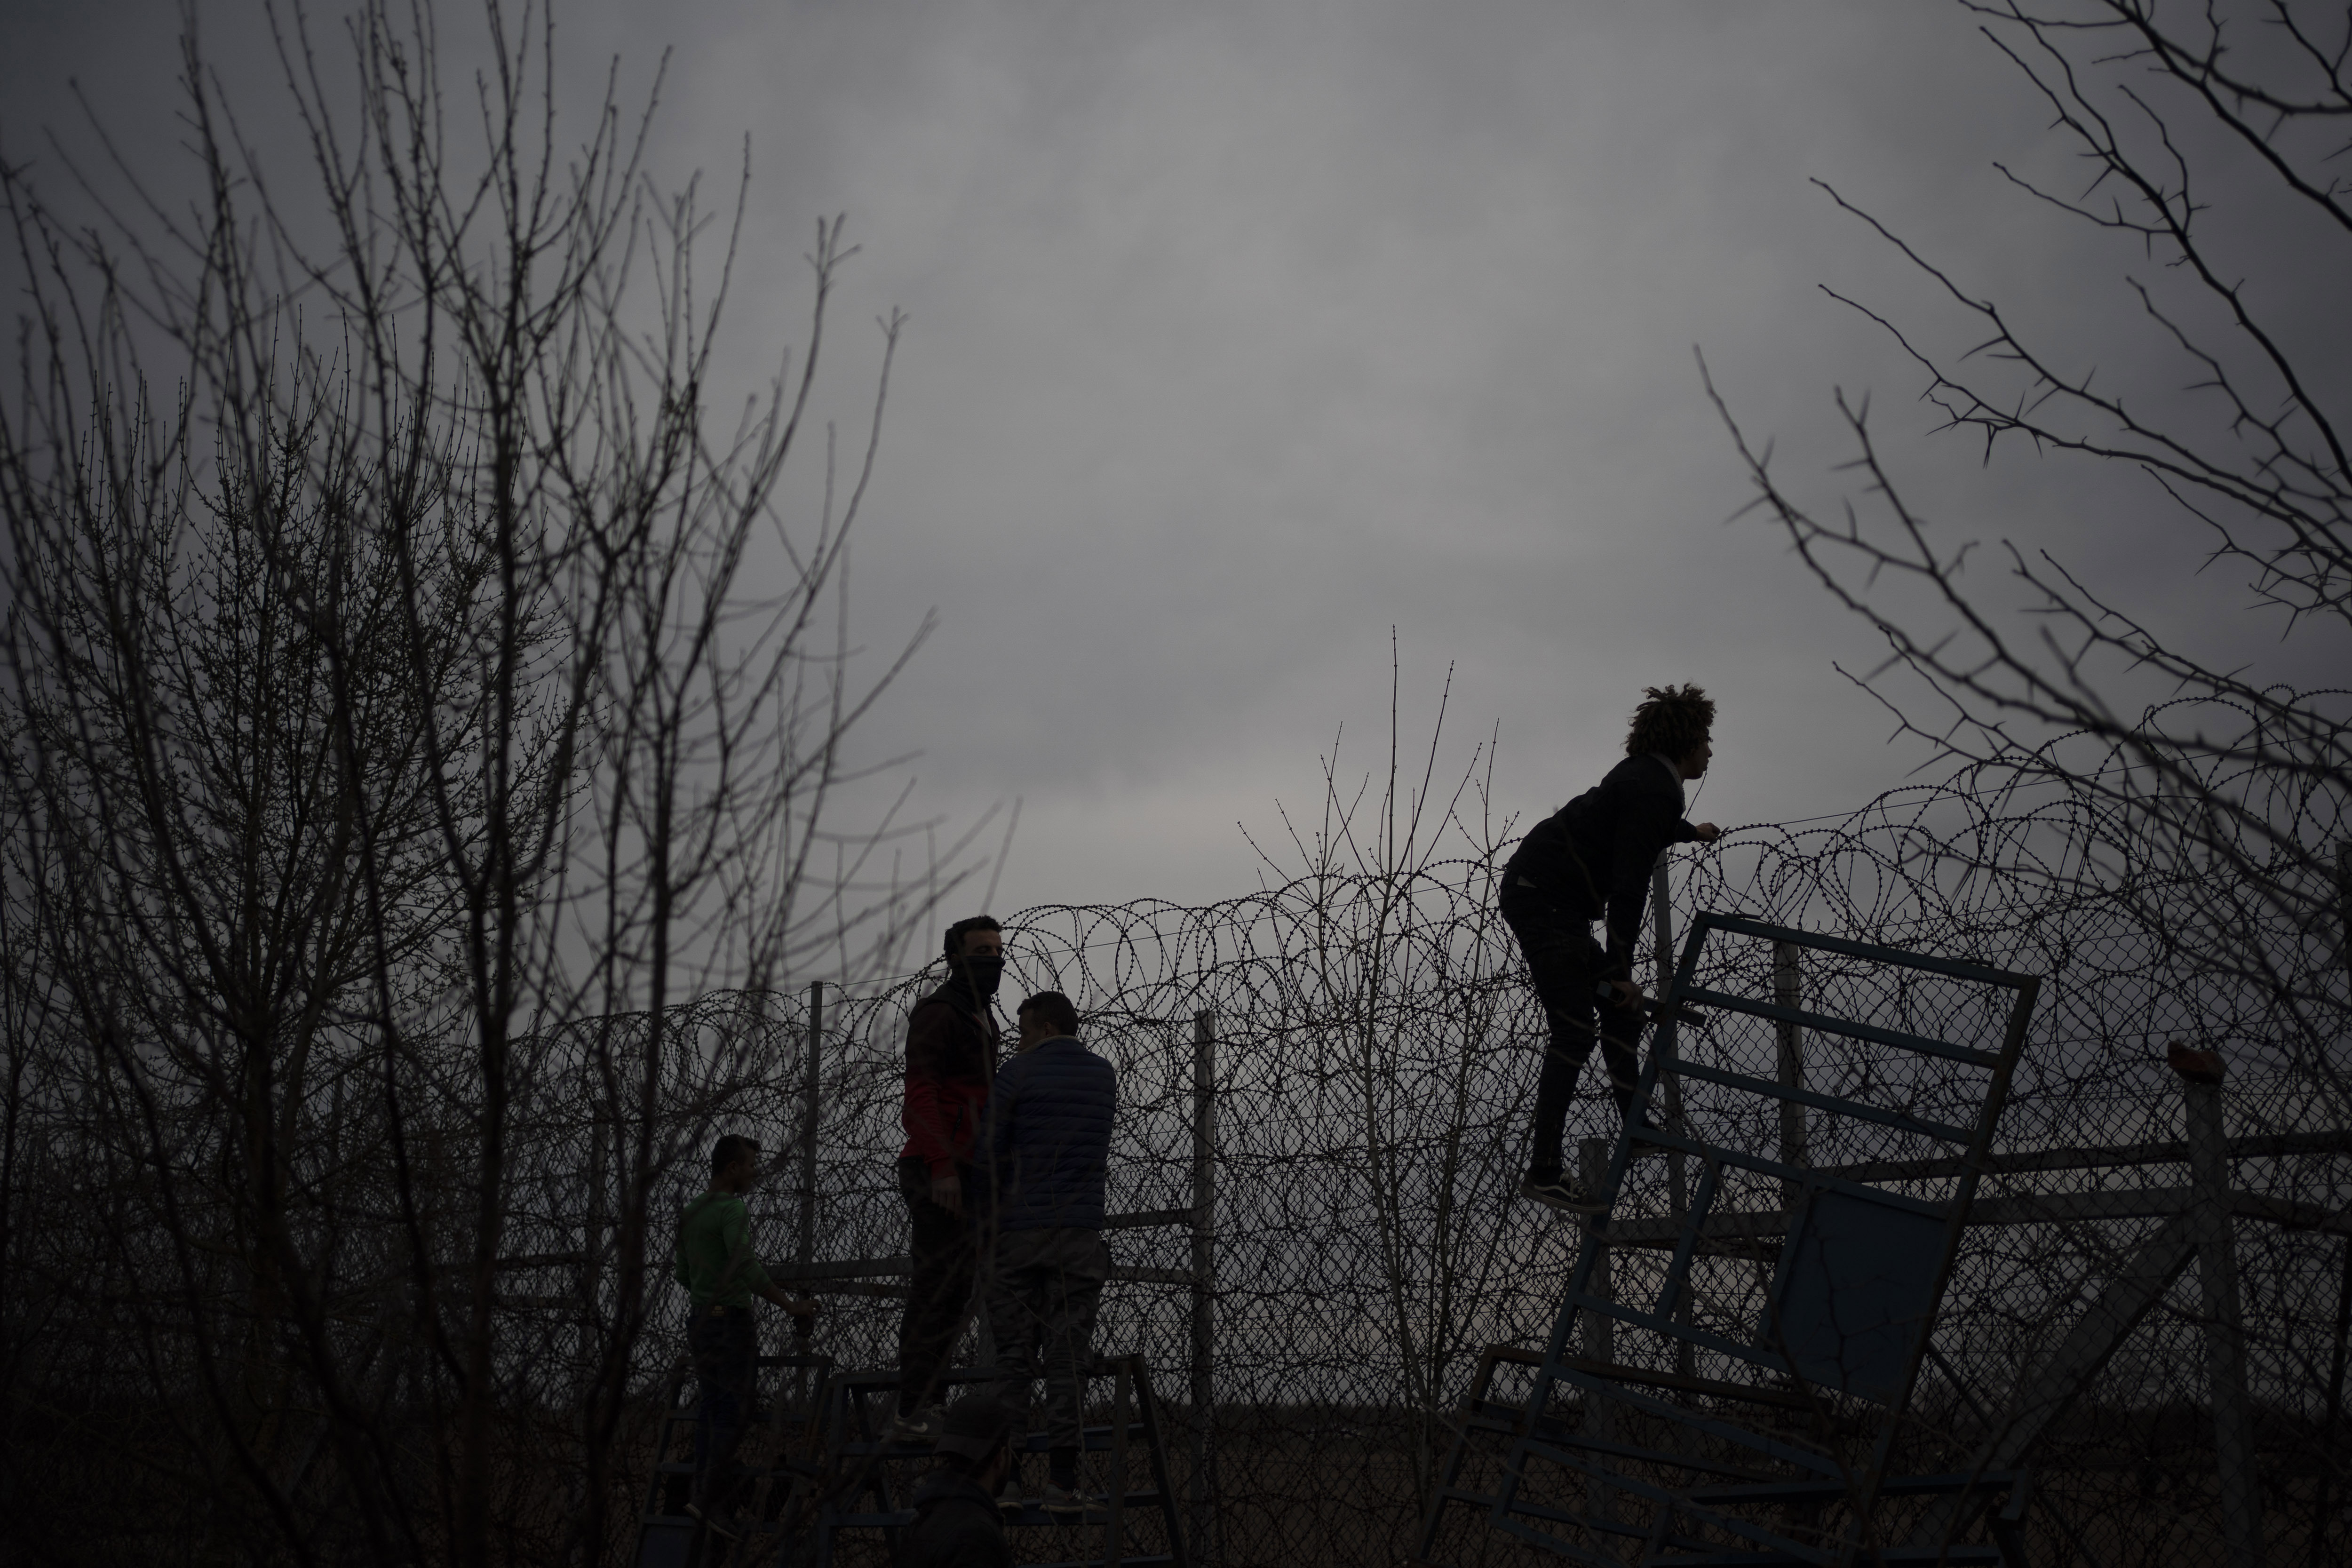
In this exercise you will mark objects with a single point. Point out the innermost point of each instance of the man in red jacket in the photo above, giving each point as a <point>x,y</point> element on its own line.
<point>951,1041</point>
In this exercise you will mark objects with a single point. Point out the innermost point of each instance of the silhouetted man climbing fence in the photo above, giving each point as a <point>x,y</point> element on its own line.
<point>1588,860</point>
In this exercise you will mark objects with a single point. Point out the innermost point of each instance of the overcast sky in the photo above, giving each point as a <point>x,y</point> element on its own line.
<point>1242,333</point>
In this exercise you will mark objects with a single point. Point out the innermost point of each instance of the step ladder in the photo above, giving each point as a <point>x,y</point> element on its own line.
<point>773,1496</point>
<point>1762,1418</point>
<point>866,1480</point>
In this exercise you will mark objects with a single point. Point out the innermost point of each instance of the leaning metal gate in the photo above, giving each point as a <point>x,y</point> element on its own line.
<point>1756,1412</point>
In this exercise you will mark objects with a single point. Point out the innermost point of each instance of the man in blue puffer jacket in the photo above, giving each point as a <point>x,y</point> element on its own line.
<point>1046,1150</point>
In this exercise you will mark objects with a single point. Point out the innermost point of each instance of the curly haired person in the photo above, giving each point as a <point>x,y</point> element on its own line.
<point>1589,861</point>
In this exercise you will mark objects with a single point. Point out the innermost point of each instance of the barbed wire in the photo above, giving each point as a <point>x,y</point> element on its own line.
<point>1375,1052</point>
<point>1375,1047</point>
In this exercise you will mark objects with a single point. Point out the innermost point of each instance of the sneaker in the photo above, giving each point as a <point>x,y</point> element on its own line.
<point>1559,1191</point>
<point>1059,1498</point>
<point>922,1426</point>
<point>1010,1499</point>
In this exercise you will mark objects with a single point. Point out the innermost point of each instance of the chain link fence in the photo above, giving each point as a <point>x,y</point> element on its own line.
<point>1372,1049</point>
<point>1325,1097</point>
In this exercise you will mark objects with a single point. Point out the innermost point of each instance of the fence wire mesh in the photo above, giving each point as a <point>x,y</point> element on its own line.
<point>1374,1050</point>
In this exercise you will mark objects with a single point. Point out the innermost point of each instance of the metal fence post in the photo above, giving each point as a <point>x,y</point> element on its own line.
<point>1202,1525</point>
<point>2319,1501</point>
<point>1664,1036</point>
<point>1670,1082</point>
<point>804,1251</point>
<point>592,1250</point>
<point>1787,992</point>
<point>2344,903</point>
<point>1599,1328</point>
<point>2225,1330</point>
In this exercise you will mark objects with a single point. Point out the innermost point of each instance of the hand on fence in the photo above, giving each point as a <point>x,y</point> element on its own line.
<point>800,1307</point>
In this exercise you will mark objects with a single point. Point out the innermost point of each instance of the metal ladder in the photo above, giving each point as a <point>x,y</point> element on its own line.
<point>774,1497</point>
<point>1786,1453</point>
<point>857,1491</point>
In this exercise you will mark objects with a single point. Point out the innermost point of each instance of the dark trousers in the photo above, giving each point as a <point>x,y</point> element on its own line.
<point>942,1252</point>
<point>1567,967</point>
<point>724,1347</point>
<point>1044,1287</point>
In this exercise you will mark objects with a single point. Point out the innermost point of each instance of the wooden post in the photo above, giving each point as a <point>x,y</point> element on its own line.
<point>2225,1329</point>
<point>1787,992</point>
<point>1200,1493</point>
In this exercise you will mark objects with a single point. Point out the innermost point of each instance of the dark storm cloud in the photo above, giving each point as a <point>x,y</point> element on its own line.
<point>1242,333</point>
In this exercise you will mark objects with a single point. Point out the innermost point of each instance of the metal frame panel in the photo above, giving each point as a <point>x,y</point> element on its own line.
<point>1854,1472</point>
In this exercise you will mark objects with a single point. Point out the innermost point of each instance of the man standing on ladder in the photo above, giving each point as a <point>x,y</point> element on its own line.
<point>951,1042</point>
<point>1589,860</point>
<point>1046,1151</point>
<point>717,1264</point>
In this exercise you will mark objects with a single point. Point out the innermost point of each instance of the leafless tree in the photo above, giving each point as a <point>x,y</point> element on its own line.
<point>2212,137</point>
<point>1396,883</point>
<point>405,668</point>
<point>2211,140</point>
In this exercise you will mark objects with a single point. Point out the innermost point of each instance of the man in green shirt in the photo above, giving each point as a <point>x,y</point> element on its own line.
<point>716,1265</point>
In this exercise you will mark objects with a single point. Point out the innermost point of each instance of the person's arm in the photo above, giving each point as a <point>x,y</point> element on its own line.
<point>685,1274</point>
<point>1109,1128</point>
<point>798,1306</point>
<point>743,1265</point>
<point>1639,838</point>
<point>992,1150</point>
<point>1647,822</point>
<point>929,1114</point>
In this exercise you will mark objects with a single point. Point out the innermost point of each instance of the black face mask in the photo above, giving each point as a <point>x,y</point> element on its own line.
<point>984,973</point>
